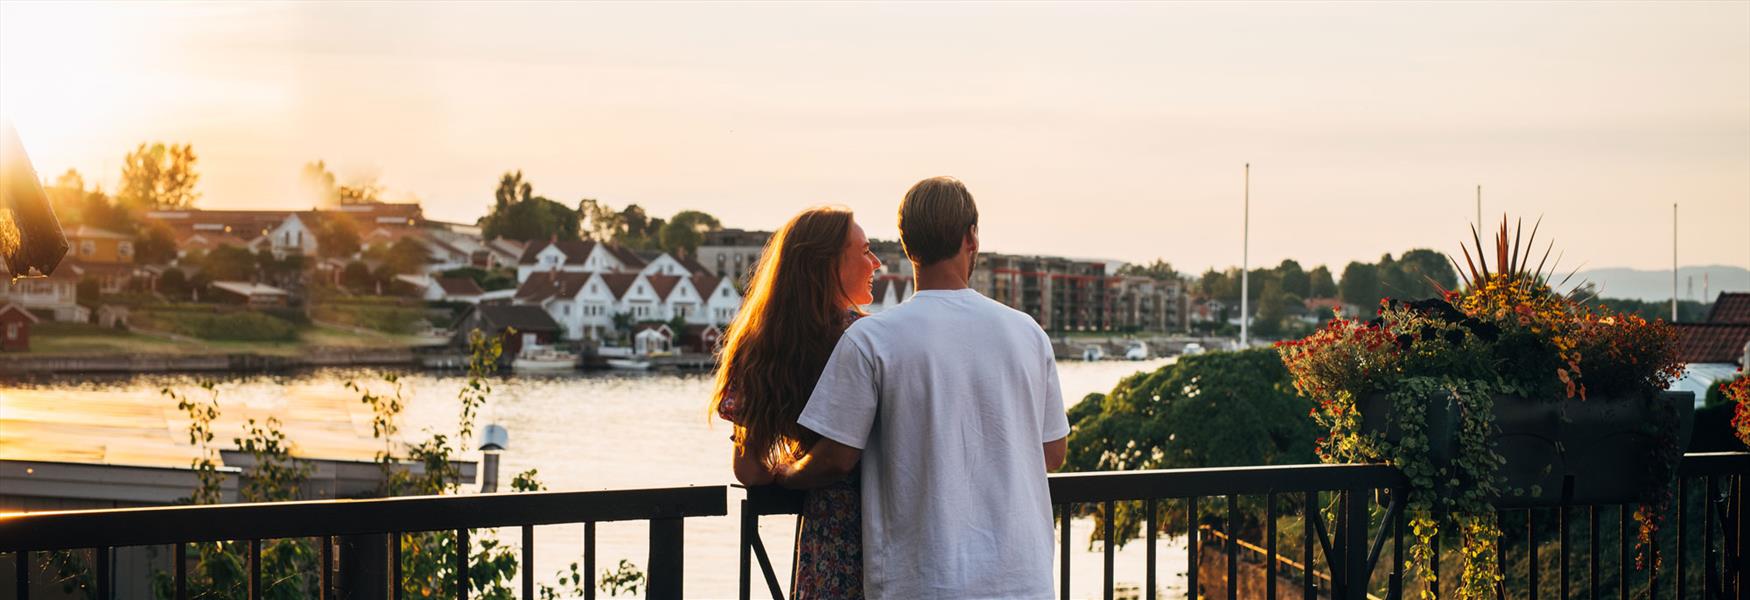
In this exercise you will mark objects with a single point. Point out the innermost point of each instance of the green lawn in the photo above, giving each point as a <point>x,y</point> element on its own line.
<point>79,338</point>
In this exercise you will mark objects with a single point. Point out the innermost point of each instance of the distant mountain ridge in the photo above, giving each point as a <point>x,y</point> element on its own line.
<point>1639,284</point>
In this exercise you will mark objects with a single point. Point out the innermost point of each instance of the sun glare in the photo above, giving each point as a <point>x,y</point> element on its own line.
<point>62,65</point>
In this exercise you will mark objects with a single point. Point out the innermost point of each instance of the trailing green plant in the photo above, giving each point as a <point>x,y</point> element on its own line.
<point>1506,333</point>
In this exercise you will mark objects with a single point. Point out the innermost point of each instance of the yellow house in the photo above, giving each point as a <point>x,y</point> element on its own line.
<point>92,245</point>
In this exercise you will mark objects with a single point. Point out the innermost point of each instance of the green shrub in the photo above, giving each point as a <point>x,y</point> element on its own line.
<point>394,319</point>
<point>234,326</point>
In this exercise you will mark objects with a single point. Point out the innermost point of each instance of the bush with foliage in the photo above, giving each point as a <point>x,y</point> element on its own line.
<point>1738,393</point>
<point>1507,333</point>
<point>240,326</point>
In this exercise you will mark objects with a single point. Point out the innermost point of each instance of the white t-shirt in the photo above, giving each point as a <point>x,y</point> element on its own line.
<point>951,396</point>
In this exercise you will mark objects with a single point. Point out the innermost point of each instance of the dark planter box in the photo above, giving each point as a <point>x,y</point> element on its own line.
<point>1594,451</point>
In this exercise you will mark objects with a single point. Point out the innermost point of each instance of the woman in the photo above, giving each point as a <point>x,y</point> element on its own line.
<point>814,275</point>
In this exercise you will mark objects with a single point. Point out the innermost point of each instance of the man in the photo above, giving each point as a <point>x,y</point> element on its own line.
<point>952,403</point>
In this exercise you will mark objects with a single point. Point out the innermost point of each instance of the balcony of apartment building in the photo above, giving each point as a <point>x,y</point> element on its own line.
<point>1355,550</point>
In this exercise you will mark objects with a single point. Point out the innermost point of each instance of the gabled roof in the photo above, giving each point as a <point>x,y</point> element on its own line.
<point>14,308</point>
<point>618,283</point>
<point>1711,342</point>
<point>575,251</point>
<point>549,284</point>
<point>705,284</point>
<point>663,284</point>
<point>626,255</point>
<point>459,286</point>
<point>691,265</point>
<point>1730,308</point>
<point>89,232</point>
<point>523,317</point>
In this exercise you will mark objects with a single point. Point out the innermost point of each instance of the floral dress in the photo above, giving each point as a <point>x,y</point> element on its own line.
<point>829,540</point>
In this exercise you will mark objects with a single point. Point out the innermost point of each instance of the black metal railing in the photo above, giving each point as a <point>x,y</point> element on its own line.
<point>1351,545</point>
<point>374,528</point>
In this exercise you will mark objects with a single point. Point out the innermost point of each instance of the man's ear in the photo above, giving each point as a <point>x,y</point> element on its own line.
<point>969,244</point>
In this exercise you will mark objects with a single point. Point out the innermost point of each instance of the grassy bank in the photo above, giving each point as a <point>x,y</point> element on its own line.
<point>83,339</point>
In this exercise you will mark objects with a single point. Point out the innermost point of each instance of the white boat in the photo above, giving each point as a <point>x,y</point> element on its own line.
<point>629,364</point>
<point>1192,348</point>
<point>544,359</point>
<point>1093,352</point>
<point>1137,351</point>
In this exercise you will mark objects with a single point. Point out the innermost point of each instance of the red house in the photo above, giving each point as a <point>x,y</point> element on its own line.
<point>15,325</point>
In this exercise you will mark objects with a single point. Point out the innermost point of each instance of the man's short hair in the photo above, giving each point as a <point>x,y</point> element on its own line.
<point>934,219</point>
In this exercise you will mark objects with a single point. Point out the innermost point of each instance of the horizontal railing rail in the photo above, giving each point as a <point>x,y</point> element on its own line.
<point>1351,545</point>
<point>387,518</point>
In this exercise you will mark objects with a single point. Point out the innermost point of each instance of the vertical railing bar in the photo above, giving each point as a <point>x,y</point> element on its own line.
<point>1740,537</point>
<point>180,552</point>
<point>1592,533</point>
<point>1562,549</point>
<point>1063,552</point>
<point>1191,543</point>
<point>103,590</point>
<point>1709,556</point>
<point>1501,565</point>
<point>1434,551</point>
<point>765,563</point>
<point>1233,546</point>
<point>749,524</point>
<point>1622,562</point>
<point>1339,559</point>
<point>255,570</point>
<point>21,578</point>
<point>1107,532</point>
<point>1397,544</point>
<point>1149,522</point>
<point>1306,546</point>
<point>589,560</point>
<point>395,586</point>
<point>325,577</point>
<point>1269,545</point>
<point>528,562</point>
<point>462,544</point>
<point>1531,551</point>
<point>1356,550</point>
<point>1682,538</point>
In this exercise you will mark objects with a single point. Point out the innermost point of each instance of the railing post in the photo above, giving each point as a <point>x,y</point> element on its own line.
<point>364,561</point>
<point>666,548</point>
<point>22,577</point>
<point>1355,538</point>
<point>1738,554</point>
<point>749,527</point>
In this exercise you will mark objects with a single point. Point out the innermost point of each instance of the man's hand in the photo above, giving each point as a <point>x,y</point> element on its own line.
<point>826,462</point>
<point>1055,451</point>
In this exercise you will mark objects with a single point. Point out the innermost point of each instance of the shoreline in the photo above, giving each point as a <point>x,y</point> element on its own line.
<point>234,362</point>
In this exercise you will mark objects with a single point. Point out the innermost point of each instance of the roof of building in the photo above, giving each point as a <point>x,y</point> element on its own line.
<point>89,232</point>
<point>663,284</point>
<point>705,283</point>
<point>575,251</point>
<point>244,288</point>
<point>459,286</point>
<point>1730,308</point>
<point>1711,342</point>
<point>618,283</point>
<point>626,255</point>
<point>522,317</point>
<point>736,237</point>
<point>16,309</point>
<point>548,284</point>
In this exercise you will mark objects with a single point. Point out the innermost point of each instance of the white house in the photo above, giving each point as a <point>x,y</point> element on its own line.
<point>56,295</point>
<point>582,256</point>
<point>293,236</point>
<point>721,299</point>
<point>581,303</point>
<point>666,264</point>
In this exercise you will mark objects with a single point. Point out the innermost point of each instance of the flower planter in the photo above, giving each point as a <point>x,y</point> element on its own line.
<point>1606,447</point>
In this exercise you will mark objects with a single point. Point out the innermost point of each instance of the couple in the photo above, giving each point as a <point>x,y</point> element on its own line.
<point>922,434</point>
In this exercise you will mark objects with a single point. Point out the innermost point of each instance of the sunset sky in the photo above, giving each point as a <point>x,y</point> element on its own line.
<point>1094,130</point>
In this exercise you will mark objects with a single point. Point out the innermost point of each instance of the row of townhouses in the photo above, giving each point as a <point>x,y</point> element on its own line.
<point>584,284</point>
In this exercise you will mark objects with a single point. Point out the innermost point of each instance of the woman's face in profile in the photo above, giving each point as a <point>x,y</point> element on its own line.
<point>857,267</point>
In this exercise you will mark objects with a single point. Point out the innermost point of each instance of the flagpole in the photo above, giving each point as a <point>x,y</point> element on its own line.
<point>1673,262</point>
<point>1245,265</point>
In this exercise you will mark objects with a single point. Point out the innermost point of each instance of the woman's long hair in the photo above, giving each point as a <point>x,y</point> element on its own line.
<point>789,322</point>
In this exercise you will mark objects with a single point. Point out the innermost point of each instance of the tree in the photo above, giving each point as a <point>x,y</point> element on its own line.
<point>518,214</point>
<point>600,221</point>
<point>1294,280</point>
<point>683,233</point>
<point>173,284</point>
<point>159,176</point>
<point>1270,310</point>
<point>156,244</point>
<point>1412,273</point>
<point>1360,286</point>
<point>1321,285</point>
<point>337,236</point>
<point>323,185</point>
<point>1158,270</point>
<point>229,263</point>
<point>356,276</point>
<point>407,255</point>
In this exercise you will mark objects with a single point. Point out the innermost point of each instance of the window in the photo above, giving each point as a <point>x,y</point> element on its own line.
<point>87,248</point>
<point>125,249</point>
<point>12,331</point>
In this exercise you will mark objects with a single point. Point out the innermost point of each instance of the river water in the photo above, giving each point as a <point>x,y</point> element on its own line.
<point>605,431</point>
